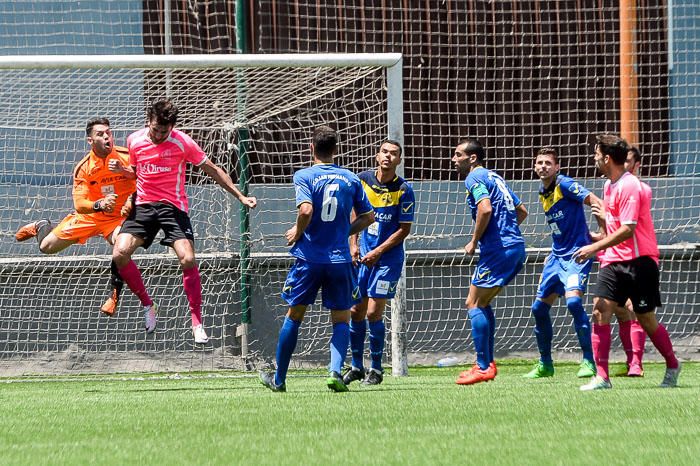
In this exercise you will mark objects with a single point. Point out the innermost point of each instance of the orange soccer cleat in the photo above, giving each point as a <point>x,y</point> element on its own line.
<point>110,306</point>
<point>476,375</point>
<point>26,232</point>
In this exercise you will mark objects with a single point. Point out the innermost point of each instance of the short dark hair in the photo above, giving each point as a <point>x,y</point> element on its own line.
<point>473,146</point>
<point>95,121</point>
<point>325,140</point>
<point>636,155</point>
<point>393,142</point>
<point>551,151</point>
<point>614,146</point>
<point>164,111</point>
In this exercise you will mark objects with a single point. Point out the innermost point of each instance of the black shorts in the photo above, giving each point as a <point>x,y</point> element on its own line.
<point>637,280</point>
<point>146,220</point>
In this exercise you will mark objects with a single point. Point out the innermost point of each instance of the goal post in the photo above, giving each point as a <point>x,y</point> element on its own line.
<point>52,302</point>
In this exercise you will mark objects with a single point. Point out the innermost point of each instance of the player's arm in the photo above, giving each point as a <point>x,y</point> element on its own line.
<point>225,181</point>
<point>354,241</point>
<point>483,215</point>
<point>625,231</point>
<point>392,241</point>
<point>361,222</point>
<point>305,211</point>
<point>115,166</point>
<point>598,211</point>
<point>81,197</point>
<point>521,213</point>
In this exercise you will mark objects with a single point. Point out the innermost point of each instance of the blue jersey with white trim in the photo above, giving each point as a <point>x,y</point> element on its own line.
<point>502,230</point>
<point>394,203</point>
<point>563,207</point>
<point>333,193</point>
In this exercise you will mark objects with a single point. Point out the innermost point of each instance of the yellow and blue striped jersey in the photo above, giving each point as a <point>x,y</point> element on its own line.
<point>393,203</point>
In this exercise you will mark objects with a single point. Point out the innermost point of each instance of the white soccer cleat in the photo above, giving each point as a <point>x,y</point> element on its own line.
<point>200,336</point>
<point>150,319</point>
<point>596,383</point>
<point>671,377</point>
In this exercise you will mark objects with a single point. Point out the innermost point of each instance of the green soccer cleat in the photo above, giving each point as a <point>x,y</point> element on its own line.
<point>540,370</point>
<point>335,382</point>
<point>586,369</point>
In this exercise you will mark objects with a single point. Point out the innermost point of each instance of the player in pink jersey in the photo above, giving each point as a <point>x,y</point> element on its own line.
<point>629,264</point>
<point>632,334</point>
<point>158,155</point>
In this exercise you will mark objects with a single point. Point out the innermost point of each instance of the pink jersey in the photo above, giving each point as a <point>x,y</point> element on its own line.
<point>160,169</point>
<point>628,202</point>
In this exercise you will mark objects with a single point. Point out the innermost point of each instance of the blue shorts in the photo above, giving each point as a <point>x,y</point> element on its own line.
<point>499,267</point>
<point>563,274</point>
<point>379,281</point>
<point>338,282</point>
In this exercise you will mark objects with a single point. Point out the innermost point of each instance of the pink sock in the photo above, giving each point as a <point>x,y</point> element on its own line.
<point>662,342</point>
<point>193,289</point>
<point>600,338</point>
<point>626,339</point>
<point>132,276</point>
<point>638,337</point>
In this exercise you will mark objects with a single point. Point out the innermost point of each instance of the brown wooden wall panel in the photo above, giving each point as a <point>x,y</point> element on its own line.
<point>516,74</point>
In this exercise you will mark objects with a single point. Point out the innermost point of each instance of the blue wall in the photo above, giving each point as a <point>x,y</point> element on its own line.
<point>684,80</point>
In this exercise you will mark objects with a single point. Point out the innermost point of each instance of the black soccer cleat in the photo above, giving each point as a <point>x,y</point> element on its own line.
<point>352,374</point>
<point>268,379</point>
<point>374,377</point>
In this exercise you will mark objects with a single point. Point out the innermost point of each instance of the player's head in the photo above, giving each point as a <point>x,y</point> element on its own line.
<point>610,150</point>
<point>324,142</point>
<point>633,161</point>
<point>389,154</point>
<point>99,136</point>
<point>546,164</point>
<point>468,153</point>
<point>162,116</point>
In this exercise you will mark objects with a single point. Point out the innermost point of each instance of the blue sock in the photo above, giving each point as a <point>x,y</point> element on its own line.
<point>377,333</point>
<point>340,340</point>
<point>543,330</point>
<point>480,336</point>
<point>582,325</point>
<point>491,317</point>
<point>285,347</point>
<point>358,331</point>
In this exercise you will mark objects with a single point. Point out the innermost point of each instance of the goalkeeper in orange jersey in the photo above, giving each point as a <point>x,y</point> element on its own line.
<point>102,191</point>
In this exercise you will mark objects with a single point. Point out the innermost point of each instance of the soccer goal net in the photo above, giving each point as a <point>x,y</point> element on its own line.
<point>253,115</point>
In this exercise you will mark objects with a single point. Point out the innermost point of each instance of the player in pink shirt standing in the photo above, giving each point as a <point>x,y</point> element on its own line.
<point>158,155</point>
<point>632,335</point>
<point>629,264</point>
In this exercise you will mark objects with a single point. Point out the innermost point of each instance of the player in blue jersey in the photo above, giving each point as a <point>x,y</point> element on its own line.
<point>326,195</point>
<point>380,257</point>
<point>562,200</point>
<point>497,213</point>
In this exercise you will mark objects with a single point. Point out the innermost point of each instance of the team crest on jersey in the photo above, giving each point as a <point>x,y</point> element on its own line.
<point>166,154</point>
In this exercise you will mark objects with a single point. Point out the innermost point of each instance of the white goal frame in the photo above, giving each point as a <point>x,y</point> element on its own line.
<point>394,108</point>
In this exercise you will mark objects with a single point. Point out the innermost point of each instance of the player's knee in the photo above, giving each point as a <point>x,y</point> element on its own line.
<point>188,262</point>
<point>540,309</point>
<point>574,304</point>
